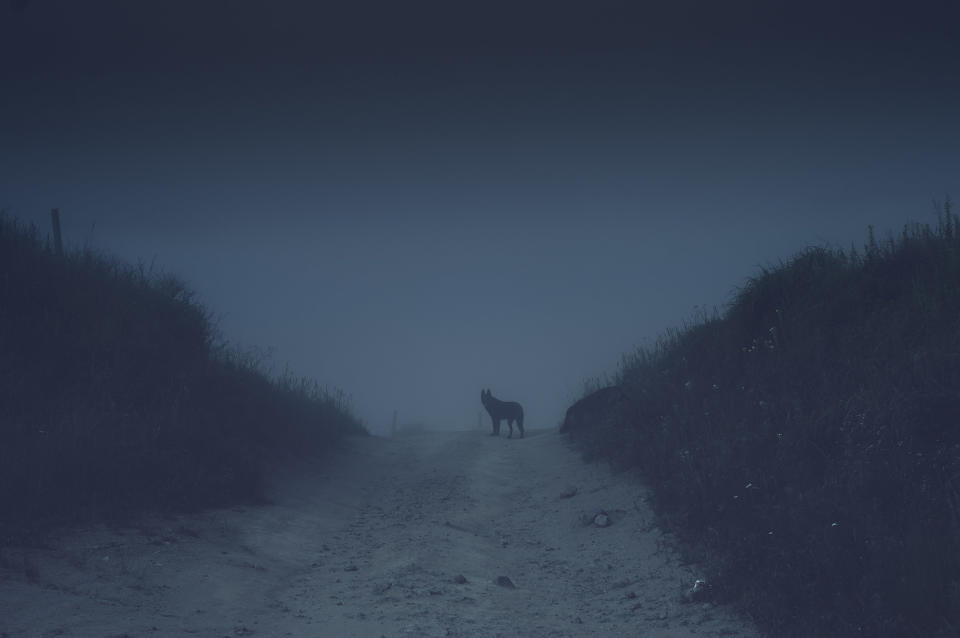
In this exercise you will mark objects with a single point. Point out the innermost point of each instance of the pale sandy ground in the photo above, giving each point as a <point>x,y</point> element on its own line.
<point>373,544</point>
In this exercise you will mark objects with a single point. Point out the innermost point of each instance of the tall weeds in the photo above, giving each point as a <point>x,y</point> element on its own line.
<point>116,396</point>
<point>805,442</point>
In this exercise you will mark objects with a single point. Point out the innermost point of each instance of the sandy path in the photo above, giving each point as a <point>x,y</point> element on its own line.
<point>398,537</point>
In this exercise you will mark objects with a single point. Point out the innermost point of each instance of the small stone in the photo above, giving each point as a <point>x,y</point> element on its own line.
<point>698,593</point>
<point>601,520</point>
<point>460,579</point>
<point>569,491</point>
<point>503,581</point>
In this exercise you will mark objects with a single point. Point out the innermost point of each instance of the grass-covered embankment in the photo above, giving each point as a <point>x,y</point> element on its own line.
<point>115,396</point>
<point>805,443</point>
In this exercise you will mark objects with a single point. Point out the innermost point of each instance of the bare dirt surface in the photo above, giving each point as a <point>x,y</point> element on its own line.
<point>430,534</point>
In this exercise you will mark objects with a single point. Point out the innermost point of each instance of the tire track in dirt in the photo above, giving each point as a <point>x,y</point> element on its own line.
<point>463,509</point>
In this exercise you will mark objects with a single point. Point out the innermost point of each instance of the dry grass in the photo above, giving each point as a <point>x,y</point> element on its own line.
<point>115,395</point>
<point>805,443</point>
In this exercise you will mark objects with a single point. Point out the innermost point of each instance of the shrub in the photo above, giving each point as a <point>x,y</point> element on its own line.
<point>804,442</point>
<point>115,395</point>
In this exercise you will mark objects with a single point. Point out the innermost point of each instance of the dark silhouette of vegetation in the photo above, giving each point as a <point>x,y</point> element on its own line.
<point>115,395</point>
<point>805,443</point>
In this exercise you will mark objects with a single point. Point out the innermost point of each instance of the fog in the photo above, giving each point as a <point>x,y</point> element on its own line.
<point>414,203</point>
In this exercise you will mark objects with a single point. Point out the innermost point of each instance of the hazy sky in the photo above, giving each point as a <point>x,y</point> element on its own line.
<point>413,201</point>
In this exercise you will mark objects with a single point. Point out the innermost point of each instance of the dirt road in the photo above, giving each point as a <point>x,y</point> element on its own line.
<point>433,534</point>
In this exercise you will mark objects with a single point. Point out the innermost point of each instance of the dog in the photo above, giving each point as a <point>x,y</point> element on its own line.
<point>510,411</point>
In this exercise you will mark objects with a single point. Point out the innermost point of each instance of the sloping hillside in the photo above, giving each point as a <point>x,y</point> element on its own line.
<point>806,438</point>
<point>115,394</point>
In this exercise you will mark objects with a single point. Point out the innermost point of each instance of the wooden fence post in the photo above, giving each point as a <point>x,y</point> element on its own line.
<point>57,242</point>
<point>393,426</point>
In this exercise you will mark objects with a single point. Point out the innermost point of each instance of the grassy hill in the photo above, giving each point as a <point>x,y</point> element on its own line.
<point>115,395</point>
<point>805,442</point>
